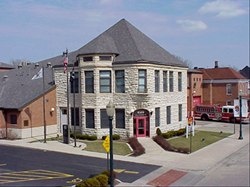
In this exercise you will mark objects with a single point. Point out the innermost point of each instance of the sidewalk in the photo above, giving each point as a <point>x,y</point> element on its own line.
<point>177,168</point>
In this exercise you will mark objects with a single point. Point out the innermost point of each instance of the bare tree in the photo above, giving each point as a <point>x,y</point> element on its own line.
<point>23,62</point>
<point>185,61</point>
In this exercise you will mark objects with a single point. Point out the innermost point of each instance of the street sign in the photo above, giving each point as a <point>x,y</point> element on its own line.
<point>105,144</point>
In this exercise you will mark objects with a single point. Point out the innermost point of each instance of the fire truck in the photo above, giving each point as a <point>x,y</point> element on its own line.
<point>218,113</point>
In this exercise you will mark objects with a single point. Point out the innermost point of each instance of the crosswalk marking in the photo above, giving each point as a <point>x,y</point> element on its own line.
<point>131,172</point>
<point>30,175</point>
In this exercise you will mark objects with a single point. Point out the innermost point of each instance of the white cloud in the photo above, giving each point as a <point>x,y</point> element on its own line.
<point>223,8</point>
<point>191,25</point>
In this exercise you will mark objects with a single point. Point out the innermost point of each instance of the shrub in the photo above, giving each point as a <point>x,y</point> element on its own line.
<point>163,143</point>
<point>138,149</point>
<point>180,132</point>
<point>115,137</point>
<point>158,132</point>
<point>103,179</point>
<point>92,137</point>
<point>98,180</point>
<point>173,133</point>
<point>107,173</point>
<point>167,146</point>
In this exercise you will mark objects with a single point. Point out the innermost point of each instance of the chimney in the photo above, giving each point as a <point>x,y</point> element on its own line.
<point>49,64</point>
<point>216,64</point>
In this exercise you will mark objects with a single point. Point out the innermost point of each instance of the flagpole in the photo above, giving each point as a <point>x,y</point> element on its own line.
<point>44,117</point>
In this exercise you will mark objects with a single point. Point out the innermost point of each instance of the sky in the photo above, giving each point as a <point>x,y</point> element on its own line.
<point>198,31</point>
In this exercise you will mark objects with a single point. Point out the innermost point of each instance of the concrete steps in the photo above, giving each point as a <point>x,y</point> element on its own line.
<point>150,145</point>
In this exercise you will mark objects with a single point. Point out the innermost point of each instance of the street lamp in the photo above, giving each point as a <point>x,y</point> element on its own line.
<point>240,102</point>
<point>110,109</point>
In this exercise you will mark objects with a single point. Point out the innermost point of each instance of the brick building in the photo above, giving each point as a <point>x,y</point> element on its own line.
<point>221,85</point>
<point>24,93</point>
<point>194,89</point>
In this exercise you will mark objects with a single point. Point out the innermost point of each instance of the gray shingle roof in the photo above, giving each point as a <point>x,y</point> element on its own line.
<point>17,88</point>
<point>128,42</point>
<point>131,45</point>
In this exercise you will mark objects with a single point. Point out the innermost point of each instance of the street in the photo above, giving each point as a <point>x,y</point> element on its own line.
<point>31,167</point>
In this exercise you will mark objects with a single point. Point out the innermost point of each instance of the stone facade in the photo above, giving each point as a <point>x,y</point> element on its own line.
<point>130,101</point>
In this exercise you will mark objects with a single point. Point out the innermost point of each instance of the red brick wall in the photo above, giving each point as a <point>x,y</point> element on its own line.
<point>35,110</point>
<point>36,113</point>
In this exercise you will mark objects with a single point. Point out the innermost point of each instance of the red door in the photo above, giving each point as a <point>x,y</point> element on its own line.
<point>140,126</point>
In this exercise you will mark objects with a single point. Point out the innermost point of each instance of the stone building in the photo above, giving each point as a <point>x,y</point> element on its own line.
<point>146,83</point>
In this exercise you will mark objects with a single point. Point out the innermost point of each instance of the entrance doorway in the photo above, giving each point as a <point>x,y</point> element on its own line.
<point>141,123</point>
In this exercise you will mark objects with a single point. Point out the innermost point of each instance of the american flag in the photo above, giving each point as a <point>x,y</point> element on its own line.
<point>65,63</point>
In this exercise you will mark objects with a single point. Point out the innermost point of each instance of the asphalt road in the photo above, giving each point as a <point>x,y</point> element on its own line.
<point>31,167</point>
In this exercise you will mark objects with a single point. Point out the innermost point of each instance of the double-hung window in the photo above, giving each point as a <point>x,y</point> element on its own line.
<point>142,81</point>
<point>165,81</point>
<point>180,112</point>
<point>171,81</point>
<point>89,81</point>
<point>119,81</point>
<point>75,116</point>
<point>157,80</point>
<point>157,117</point>
<point>120,118</point>
<point>229,89</point>
<point>90,118</point>
<point>105,81</point>
<point>104,119</point>
<point>168,114</point>
<point>179,81</point>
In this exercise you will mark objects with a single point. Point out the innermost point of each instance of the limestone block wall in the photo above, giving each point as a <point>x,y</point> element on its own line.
<point>131,100</point>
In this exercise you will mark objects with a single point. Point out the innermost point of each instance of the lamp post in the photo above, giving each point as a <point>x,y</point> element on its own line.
<point>240,102</point>
<point>65,54</point>
<point>110,108</point>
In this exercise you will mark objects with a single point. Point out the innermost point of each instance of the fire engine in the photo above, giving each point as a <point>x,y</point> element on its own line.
<point>207,112</point>
<point>218,113</point>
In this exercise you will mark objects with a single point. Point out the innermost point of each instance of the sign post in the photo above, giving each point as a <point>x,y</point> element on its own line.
<point>106,146</point>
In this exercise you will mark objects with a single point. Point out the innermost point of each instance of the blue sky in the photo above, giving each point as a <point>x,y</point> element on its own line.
<point>198,31</point>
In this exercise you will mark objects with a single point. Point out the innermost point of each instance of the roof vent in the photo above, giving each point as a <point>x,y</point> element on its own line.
<point>49,64</point>
<point>36,65</point>
<point>216,65</point>
<point>19,66</point>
